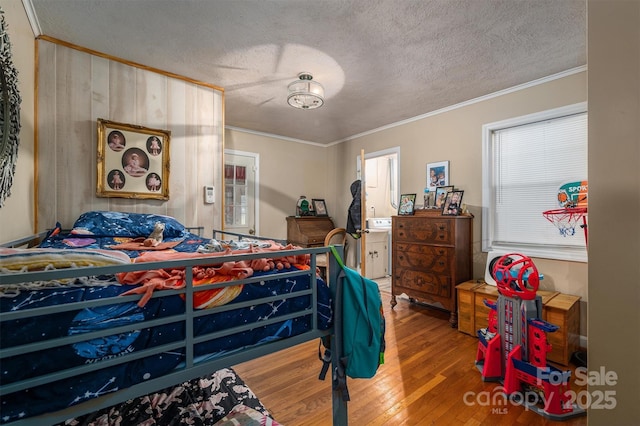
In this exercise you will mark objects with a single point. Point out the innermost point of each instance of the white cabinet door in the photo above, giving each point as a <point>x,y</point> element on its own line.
<point>377,255</point>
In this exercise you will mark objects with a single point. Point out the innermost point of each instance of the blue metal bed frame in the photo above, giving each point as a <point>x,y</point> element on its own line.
<point>191,368</point>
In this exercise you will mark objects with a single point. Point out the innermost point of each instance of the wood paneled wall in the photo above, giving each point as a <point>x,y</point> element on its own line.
<point>75,87</point>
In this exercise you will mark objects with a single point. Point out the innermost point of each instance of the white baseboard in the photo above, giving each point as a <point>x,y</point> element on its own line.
<point>583,341</point>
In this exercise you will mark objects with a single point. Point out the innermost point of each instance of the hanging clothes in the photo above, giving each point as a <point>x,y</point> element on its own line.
<point>354,217</point>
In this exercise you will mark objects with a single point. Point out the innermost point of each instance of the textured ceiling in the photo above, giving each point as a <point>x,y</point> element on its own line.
<point>379,61</point>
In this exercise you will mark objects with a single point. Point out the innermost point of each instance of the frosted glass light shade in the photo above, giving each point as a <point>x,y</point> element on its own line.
<point>305,93</point>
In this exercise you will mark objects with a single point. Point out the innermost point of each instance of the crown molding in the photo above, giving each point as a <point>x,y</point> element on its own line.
<point>33,19</point>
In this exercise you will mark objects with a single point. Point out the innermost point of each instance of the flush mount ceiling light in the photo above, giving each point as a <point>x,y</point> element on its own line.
<point>305,93</point>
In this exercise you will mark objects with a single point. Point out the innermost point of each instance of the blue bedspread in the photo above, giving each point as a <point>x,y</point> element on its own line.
<point>67,392</point>
<point>186,243</point>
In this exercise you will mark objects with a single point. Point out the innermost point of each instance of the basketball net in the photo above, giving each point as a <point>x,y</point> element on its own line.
<point>567,219</point>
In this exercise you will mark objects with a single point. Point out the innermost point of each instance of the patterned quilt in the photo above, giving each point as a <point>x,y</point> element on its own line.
<point>202,401</point>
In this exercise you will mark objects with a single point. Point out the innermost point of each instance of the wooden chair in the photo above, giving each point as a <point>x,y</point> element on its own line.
<point>337,236</point>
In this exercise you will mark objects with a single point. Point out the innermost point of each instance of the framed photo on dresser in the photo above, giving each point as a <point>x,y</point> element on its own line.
<point>407,204</point>
<point>441,195</point>
<point>319,207</point>
<point>453,203</point>
<point>429,199</point>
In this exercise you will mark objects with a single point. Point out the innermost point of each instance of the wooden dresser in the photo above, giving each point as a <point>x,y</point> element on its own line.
<point>431,254</point>
<point>308,231</point>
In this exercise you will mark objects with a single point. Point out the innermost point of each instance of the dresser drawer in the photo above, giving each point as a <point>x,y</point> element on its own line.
<point>436,231</point>
<point>424,282</point>
<point>417,256</point>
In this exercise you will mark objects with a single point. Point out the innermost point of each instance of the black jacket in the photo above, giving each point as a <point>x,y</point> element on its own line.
<point>354,218</point>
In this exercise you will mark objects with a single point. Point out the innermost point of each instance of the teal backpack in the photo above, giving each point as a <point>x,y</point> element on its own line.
<point>359,327</point>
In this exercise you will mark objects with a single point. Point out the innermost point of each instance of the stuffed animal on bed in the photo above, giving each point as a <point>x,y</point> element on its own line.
<point>156,236</point>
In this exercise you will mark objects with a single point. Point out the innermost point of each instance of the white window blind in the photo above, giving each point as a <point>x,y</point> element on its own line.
<point>528,160</point>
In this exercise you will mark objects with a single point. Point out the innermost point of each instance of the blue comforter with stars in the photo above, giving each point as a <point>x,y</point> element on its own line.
<point>67,392</point>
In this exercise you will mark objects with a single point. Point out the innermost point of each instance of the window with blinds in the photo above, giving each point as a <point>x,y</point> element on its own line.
<point>525,162</point>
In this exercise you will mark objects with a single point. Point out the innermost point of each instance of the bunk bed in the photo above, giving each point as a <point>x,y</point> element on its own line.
<point>96,321</point>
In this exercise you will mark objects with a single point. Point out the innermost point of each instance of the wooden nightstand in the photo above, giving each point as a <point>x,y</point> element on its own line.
<point>466,322</point>
<point>564,311</point>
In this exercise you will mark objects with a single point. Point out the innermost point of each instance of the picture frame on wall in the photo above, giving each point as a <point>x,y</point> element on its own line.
<point>453,203</point>
<point>437,175</point>
<point>441,195</point>
<point>319,207</point>
<point>133,161</point>
<point>407,204</point>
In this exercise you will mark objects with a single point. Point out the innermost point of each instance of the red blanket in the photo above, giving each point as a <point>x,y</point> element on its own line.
<point>170,278</point>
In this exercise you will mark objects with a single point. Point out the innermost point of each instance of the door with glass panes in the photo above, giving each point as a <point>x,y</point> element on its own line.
<point>240,192</point>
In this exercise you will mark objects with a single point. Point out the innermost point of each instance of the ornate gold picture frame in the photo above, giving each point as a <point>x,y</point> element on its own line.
<point>133,161</point>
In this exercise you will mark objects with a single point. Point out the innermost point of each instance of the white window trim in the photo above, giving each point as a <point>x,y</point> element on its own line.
<point>578,254</point>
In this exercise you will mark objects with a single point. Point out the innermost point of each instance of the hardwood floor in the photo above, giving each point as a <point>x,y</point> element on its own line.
<point>429,368</point>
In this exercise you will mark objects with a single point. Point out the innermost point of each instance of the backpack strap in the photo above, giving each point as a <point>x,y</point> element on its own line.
<point>325,358</point>
<point>337,256</point>
<point>332,354</point>
<point>339,378</point>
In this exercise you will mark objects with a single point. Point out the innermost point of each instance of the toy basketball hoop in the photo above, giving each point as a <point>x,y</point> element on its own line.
<point>572,200</point>
<point>567,219</point>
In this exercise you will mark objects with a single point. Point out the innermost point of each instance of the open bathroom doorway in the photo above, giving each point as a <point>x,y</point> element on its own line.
<point>381,187</point>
